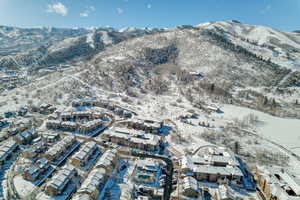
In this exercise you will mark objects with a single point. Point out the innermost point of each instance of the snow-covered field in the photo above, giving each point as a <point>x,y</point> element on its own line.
<point>23,187</point>
<point>280,130</point>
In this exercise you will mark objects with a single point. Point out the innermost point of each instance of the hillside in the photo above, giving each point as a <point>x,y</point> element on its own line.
<point>220,62</point>
<point>38,48</point>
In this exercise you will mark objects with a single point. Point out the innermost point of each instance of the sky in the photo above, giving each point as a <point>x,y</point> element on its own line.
<point>279,14</point>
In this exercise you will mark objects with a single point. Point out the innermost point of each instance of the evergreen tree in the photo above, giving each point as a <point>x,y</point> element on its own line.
<point>265,100</point>
<point>274,104</point>
<point>212,87</point>
<point>236,147</point>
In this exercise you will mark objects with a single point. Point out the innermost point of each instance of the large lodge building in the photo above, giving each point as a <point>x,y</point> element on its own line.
<point>218,165</point>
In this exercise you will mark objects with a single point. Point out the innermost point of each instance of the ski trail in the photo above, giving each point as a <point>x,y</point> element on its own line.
<point>286,77</point>
<point>283,80</point>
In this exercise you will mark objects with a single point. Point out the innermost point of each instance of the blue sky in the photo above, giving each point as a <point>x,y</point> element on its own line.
<point>280,14</point>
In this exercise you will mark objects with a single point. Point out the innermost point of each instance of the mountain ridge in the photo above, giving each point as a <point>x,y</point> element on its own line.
<point>229,57</point>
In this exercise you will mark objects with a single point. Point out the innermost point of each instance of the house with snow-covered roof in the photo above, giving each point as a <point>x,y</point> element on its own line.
<point>278,183</point>
<point>214,165</point>
<point>33,173</point>
<point>108,160</point>
<point>133,139</point>
<point>6,150</point>
<point>59,182</point>
<point>190,187</point>
<point>93,183</point>
<point>60,147</point>
<point>80,158</point>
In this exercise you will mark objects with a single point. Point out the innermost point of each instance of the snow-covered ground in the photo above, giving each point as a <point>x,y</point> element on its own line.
<point>262,35</point>
<point>283,131</point>
<point>23,187</point>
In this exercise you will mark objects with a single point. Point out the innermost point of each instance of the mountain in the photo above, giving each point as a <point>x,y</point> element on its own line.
<point>281,47</point>
<point>17,39</point>
<point>215,62</point>
<point>42,47</point>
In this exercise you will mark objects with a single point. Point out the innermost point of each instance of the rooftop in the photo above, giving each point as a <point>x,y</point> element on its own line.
<point>228,171</point>
<point>282,180</point>
<point>95,178</point>
<point>134,136</point>
<point>190,183</point>
<point>60,180</point>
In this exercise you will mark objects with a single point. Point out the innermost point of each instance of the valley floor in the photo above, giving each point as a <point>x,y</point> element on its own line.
<point>283,131</point>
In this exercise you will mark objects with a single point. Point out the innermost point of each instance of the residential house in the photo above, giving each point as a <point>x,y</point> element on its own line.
<point>6,150</point>
<point>108,160</point>
<point>33,173</point>
<point>133,139</point>
<point>33,151</point>
<point>50,137</point>
<point>59,148</point>
<point>25,137</point>
<point>60,181</point>
<point>190,187</point>
<point>278,183</point>
<point>216,165</point>
<point>80,158</point>
<point>93,183</point>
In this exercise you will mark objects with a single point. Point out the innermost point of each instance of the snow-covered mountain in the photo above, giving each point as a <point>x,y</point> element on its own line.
<point>281,47</point>
<point>13,39</point>
<point>43,47</point>
<point>229,62</point>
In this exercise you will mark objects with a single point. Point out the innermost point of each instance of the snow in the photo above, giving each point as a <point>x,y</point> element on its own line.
<point>280,130</point>
<point>23,187</point>
<point>203,24</point>
<point>63,44</point>
<point>114,58</point>
<point>262,35</point>
<point>259,34</point>
<point>13,33</point>
<point>106,39</point>
<point>193,135</point>
<point>263,32</point>
<point>70,188</point>
<point>89,40</point>
<point>286,77</point>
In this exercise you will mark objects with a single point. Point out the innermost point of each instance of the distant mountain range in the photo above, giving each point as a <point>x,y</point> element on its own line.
<point>246,64</point>
<point>42,47</point>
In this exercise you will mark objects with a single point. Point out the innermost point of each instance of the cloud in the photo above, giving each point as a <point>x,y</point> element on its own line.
<point>58,8</point>
<point>266,9</point>
<point>92,8</point>
<point>84,14</point>
<point>120,11</point>
<point>149,6</point>
<point>87,11</point>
